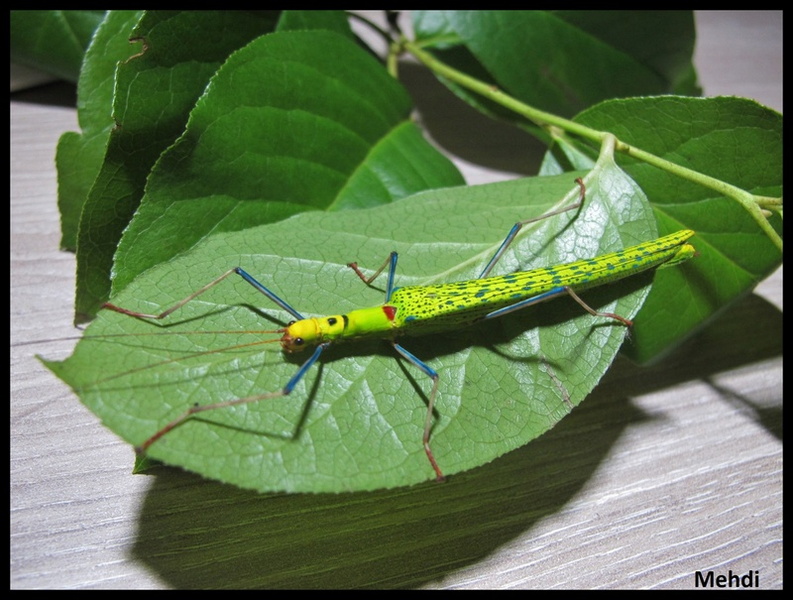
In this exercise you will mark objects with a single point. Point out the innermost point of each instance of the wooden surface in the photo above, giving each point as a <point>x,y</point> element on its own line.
<point>659,474</point>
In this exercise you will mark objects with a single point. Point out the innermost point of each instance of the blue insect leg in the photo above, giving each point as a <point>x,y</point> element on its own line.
<point>206,407</point>
<point>519,225</point>
<point>271,295</point>
<point>432,374</point>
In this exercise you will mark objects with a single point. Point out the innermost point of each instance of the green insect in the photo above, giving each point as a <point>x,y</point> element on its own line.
<point>433,309</point>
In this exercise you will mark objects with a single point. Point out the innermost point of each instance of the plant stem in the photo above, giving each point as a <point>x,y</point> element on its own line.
<point>552,123</point>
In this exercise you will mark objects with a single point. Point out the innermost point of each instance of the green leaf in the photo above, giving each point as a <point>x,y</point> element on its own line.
<point>52,41</point>
<point>80,155</point>
<point>331,20</point>
<point>564,61</point>
<point>295,121</point>
<point>154,92</point>
<point>355,421</point>
<point>329,130</point>
<point>730,139</point>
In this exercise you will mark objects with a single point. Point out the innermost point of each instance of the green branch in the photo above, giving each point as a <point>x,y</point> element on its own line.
<point>757,206</point>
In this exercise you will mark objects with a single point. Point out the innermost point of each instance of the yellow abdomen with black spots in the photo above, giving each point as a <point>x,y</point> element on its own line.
<point>431,308</point>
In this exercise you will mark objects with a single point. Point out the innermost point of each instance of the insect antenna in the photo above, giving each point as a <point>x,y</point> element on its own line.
<point>184,357</point>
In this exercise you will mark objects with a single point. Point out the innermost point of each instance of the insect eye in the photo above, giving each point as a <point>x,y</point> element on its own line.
<point>292,322</point>
<point>298,341</point>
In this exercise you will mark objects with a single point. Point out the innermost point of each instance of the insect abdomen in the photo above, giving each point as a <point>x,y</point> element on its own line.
<point>424,309</point>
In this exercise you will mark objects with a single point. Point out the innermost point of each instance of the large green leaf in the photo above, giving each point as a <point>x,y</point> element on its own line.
<point>355,421</point>
<point>160,107</point>
<point>733,140</point>
<point>292,122</point>
<point>564,61</point>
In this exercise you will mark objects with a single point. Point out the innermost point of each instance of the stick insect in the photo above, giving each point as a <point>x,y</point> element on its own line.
<point>435,309</point>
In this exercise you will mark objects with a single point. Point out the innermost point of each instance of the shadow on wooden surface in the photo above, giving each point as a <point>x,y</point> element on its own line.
<point>199,534</point>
